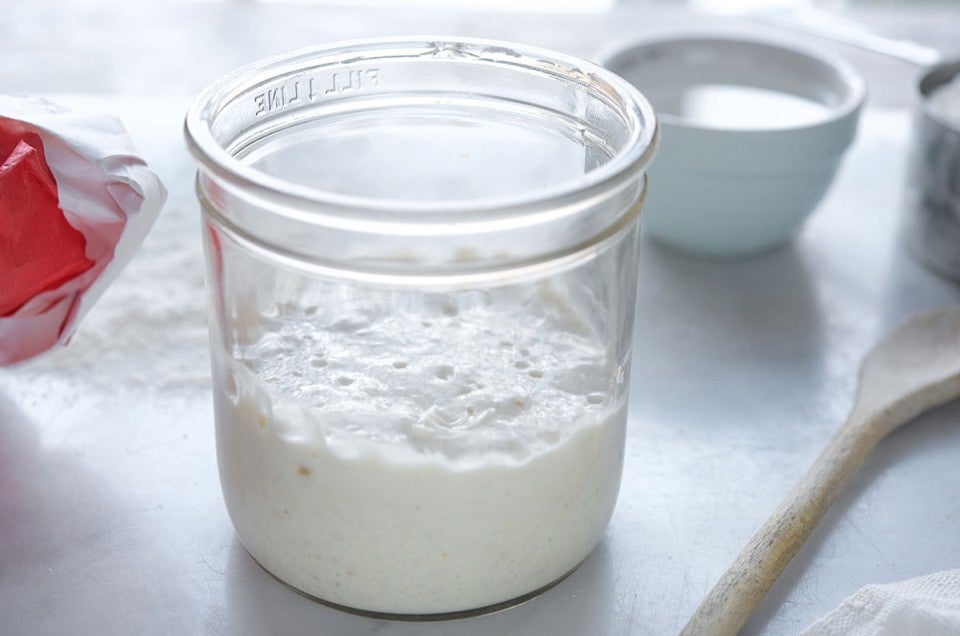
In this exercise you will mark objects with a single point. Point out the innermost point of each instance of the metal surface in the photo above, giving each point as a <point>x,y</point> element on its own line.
<point>111,520</point>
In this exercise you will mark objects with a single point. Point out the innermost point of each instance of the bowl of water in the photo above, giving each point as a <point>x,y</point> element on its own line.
<point>753,132</point>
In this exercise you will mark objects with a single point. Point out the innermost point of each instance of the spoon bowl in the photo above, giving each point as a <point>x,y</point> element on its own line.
<point>915,368</point>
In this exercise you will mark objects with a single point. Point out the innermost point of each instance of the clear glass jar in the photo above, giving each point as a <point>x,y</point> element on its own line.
<point>421,265</point>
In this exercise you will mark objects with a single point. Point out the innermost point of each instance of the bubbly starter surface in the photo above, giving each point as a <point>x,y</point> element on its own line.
<point>410,461</point>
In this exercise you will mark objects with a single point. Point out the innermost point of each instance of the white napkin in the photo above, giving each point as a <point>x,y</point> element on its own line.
<point>924,606</point>
<point>106,192</point>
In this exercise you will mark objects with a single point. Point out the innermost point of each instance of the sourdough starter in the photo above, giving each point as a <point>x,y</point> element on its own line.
<point>416,462</point>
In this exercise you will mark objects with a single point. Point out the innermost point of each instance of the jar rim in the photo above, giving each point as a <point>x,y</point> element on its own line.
<point>630,160</point>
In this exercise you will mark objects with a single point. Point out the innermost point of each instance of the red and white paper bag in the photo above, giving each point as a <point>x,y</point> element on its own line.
<point>75,203</point>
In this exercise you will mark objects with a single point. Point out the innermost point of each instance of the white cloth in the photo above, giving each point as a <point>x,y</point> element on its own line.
<point>106,192</point>
<point>924,606</point>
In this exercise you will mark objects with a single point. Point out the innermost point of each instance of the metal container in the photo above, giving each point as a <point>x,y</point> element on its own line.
<point>932,219</point>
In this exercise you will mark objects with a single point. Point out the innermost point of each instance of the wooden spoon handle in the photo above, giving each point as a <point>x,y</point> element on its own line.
<point>738,592</point>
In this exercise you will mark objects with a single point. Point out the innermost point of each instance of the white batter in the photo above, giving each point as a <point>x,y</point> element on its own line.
<point>420,461</point>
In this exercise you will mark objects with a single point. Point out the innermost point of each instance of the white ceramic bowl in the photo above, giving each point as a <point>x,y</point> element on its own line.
<point>753,132</point>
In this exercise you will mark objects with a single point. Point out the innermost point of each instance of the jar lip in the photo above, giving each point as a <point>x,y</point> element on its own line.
<point>630,160</point>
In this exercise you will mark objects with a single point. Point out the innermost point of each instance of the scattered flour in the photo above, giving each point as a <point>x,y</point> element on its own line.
<point>149,329</point>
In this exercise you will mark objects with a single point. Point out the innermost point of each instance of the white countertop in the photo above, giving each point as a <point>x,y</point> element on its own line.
<point>111,520</point>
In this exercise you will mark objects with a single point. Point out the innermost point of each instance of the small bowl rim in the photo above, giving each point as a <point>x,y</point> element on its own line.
<point>849,77</point>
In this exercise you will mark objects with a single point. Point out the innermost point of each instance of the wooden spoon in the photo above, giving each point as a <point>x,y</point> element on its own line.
<point>914,369</point>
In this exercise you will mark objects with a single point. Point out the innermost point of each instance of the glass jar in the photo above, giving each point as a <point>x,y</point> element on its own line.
<point>421,265</point>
